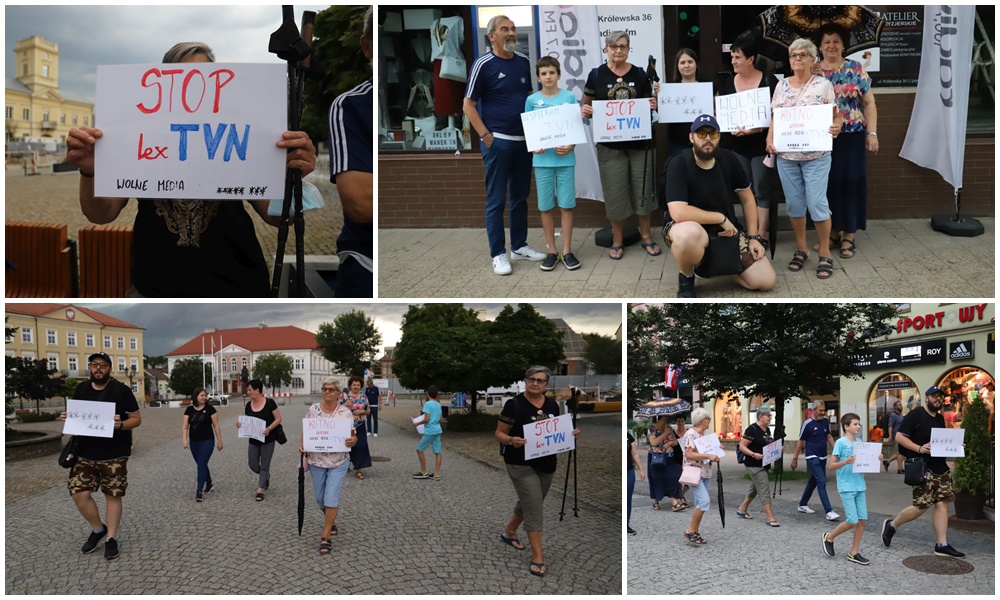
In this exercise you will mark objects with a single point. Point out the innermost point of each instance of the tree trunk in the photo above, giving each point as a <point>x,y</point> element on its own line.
<point>473,397</point>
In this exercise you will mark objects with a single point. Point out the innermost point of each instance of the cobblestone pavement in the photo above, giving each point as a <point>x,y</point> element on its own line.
<point>396,534</point>
<point>900,255</point>
<point>749,555</point>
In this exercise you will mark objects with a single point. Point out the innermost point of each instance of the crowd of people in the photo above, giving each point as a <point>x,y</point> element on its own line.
<point>707,172</point>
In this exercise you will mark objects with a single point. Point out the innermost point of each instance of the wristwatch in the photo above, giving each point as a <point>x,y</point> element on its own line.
<point>755,237</point>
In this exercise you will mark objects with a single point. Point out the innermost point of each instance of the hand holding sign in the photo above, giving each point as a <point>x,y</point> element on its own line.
<point>88,418</point>
<point>947,442</point>
<point>710,444</point>
<point>866,457</point>
<point>326,435</point>
<point>622,120</point>
<point>250,427</point>
<point>549,436</point>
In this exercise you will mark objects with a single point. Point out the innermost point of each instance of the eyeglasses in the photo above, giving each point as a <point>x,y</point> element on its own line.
<point>536,380</point>
<point>618,47</point>
<point>707,134</point>
<point>329,389</point>
<point>800,56</point>
<point>99,365</point>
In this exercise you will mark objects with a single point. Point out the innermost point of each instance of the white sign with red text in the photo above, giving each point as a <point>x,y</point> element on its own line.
<point>326,435</point>
<point>549,436</point>
<point>622,120</point>
<point>803,128</point>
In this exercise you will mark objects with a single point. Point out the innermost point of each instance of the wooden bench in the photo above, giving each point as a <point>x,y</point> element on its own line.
<point>105,261</point>
<point>41,261</point>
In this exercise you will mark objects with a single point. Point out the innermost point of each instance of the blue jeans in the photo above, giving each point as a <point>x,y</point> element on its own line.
<point>805,183</point>
<point>352,280</point>
<point>631,489</point>
<point>202,451</point>
<point>327,484</point>
<point>369,419</point>
<point>817,481</point>
<point>508,166</point>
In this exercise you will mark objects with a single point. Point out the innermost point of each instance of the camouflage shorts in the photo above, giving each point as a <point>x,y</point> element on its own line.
<point>935,489</point>
<point>109,476</point>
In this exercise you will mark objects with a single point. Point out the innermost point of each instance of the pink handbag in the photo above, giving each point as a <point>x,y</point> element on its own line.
<point>691,475</point>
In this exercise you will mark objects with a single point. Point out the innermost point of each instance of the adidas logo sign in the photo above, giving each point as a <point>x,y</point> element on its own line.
<point>960,352</point>
<point>501,76</point>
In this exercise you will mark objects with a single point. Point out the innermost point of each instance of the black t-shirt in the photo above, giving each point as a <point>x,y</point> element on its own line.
<point>266,413</point>
<point>96,448</point>
<point>517,413</point>
<point>197,248</point>
<point>758,439</point>
<point>200,423</point>
<point>917,426</point>
<point>602,84</point>
<point>630,463</point>
<point>712,189</point>
<point>747,145</point>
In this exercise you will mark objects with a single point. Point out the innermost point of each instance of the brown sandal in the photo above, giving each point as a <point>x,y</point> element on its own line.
<point>360,475</point>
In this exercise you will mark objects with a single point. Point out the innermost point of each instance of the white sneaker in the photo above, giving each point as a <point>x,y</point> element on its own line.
<point>369,435</point>
<point>501,266</point>
<point>526,252</point>
<point>832,516</point>
<point>376,435</point>
<point>806,509</point>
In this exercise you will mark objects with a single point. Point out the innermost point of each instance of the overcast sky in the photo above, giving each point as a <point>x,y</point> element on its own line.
<point>168,326</point>
<point>89,36</point>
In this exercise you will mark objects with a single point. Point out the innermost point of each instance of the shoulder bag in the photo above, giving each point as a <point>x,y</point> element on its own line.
<point>723,256</point>
<point>659,459</point>
<point>453,68</point>
<point>67,458</point>
<point>915,471</point>
<point>690,475</point>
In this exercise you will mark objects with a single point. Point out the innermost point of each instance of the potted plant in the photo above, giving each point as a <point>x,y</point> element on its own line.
<point>971,477</point>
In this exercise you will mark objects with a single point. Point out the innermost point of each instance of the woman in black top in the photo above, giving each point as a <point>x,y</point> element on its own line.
<point>685,71</point>
<point>201,427</point>
<point>259,453</point>
<point>531,478</point>
<point>752,447</point>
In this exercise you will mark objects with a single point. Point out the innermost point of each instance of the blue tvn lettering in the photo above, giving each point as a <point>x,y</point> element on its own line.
<point>213,140</point>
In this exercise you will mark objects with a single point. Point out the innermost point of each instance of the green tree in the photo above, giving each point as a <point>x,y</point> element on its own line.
<point>276,368</point>
<point>189,373</point>
<point>972,473</point>
<point>32,379</point>
<point>643,353</point>
<point>350,342</point>
<point>448,346</point>
<point>603,354</point>
<point>154,362</point>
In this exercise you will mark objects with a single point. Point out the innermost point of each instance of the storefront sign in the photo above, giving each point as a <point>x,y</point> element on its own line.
<point>682,102</point>
<point>555,126</point>
<point>749,109</point>
<point>896,61</point>
<point>622,120</point>
<point>947,442</point>
<point>442,140</point>
<point>866,457</point>
<point>962,350</point>
<point>326,435</point>
<point>549,436</point>
<point>928,352</point>
<point>198,131</point>
<point>937,320</point>
<point>895,385</point>
<point>803,128</point>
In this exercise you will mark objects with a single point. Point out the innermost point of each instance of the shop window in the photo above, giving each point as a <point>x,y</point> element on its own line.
<point>961,386</point>
<point>728,418</point>
<point>889,389</point>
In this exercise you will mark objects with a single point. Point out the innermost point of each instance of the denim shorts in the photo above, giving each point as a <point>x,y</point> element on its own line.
<point>555,185</point>
<point>855,506</point>
<point>327,484</point>
<point>701,495</point>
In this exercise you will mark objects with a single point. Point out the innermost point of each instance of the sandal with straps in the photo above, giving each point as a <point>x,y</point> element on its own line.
<point>325,545</point>
<point>825,268</point>
<point>850,250</point>
<point>798,261</point>
<point>695,538</point>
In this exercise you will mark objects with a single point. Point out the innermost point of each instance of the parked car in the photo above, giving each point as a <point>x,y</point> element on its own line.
<point>216,399</point>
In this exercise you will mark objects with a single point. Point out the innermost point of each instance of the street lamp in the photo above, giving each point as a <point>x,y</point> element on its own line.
<point>130,373</point>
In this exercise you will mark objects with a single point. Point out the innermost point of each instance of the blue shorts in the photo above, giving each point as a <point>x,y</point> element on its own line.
<point>855,506</point>
<point>702,499</point>
<point>327,484</point>
<point>555,184</point>
<point>432,440</point>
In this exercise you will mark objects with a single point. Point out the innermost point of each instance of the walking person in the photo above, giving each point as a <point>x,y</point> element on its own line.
<point>815,438</point>
<point>700,420</point>
<point>102,462</point>
<point>328,469</point>
<point>531,478</point>
<point>632,464</point>
<point>371,419</point>
<point>663,462</point>
<point>895,420</point>
<point>752,445</point>
<point>851,487</point>
<point>432,434</point>
<point>361,458</point>
<point>914,437</point>
<point>259,454</point>
<point>200,432</point>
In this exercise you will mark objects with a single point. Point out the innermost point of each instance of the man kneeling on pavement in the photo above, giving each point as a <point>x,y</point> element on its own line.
<point>698,189</point>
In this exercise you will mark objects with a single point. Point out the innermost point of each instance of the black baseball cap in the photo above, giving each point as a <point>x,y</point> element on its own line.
<point>100,355</point>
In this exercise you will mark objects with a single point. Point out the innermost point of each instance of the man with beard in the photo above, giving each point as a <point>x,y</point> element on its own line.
<point>914,439</point>
<point>499,83</point>
<point>101,462</point>
<point>895,420</point>
<point>698,188</point>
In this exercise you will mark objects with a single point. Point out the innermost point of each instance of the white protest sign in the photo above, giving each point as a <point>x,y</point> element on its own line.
<point>326,434</point>
<point>549,436</point>
<point>709,444</point>
<point>622,120</point>
<point>381,383</point>
<point>866,457</point>
<point>553,126</point>
<point>803,128</point>
<point>772,452</point>
<point>750,109</point>
<point>201,131</point>
<point>420,427</point>
<point>682,102</point>
<point>947,442</point>
<point>251,427</point>
<point>89,418</point>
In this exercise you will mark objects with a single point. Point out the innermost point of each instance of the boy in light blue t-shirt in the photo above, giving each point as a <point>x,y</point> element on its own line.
<point>554,169</point>
<point>851,487</point>
<point>432,435</point>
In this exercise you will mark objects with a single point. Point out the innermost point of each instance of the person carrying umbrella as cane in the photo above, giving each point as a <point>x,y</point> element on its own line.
<point>692,458</point>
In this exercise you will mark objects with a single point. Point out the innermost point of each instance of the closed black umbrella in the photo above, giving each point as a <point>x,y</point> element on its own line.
<point>783,24</point>
<point>722,499</point>
<point>302,491</point>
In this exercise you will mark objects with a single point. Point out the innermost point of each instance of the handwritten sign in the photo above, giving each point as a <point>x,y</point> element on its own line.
<point>622,120</point>
<point>549,436</point>
<point>326,435</point>
<point>251,427</point>
<point>553,126</point>
<point>89,418</point>
<point>199,131</point>
<point>417,422</point>
<point>749,109</point>
<point>709,444</point>
<point>947,442</point>
<point>866,457</point>
<point>682,102</point>
<point>803,128</point>
<point>772,452</point>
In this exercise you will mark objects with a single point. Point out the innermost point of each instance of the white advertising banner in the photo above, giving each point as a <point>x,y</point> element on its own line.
<point>682,102</point>
<point>803,128</point>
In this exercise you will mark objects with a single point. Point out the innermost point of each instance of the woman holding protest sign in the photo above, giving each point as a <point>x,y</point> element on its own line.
<point>848,186</point>
<point>259,453</point>
<point>664,465</point>
<point>201,426</point>
<point>685,71</point>
<point>355,400</point>
<point>187,248</point>
<point>700,467</point>
<point>626,168</point>
<point>752,448</point>
<point>328,469</point>
<point>531,478</point>
<point>804,174</point>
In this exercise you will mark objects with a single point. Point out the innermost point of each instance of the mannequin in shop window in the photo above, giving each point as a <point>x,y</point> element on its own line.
<point>450,74</point>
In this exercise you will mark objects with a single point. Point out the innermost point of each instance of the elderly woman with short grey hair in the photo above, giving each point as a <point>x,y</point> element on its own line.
<point>700,419</point>
<point>531,478</point>
<point>752,448</point>
<point>626,168</point>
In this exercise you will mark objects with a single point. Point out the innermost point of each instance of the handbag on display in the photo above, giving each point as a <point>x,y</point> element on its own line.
<point>915,471</point>
<point>690,475</point>
<point>453,68</point>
